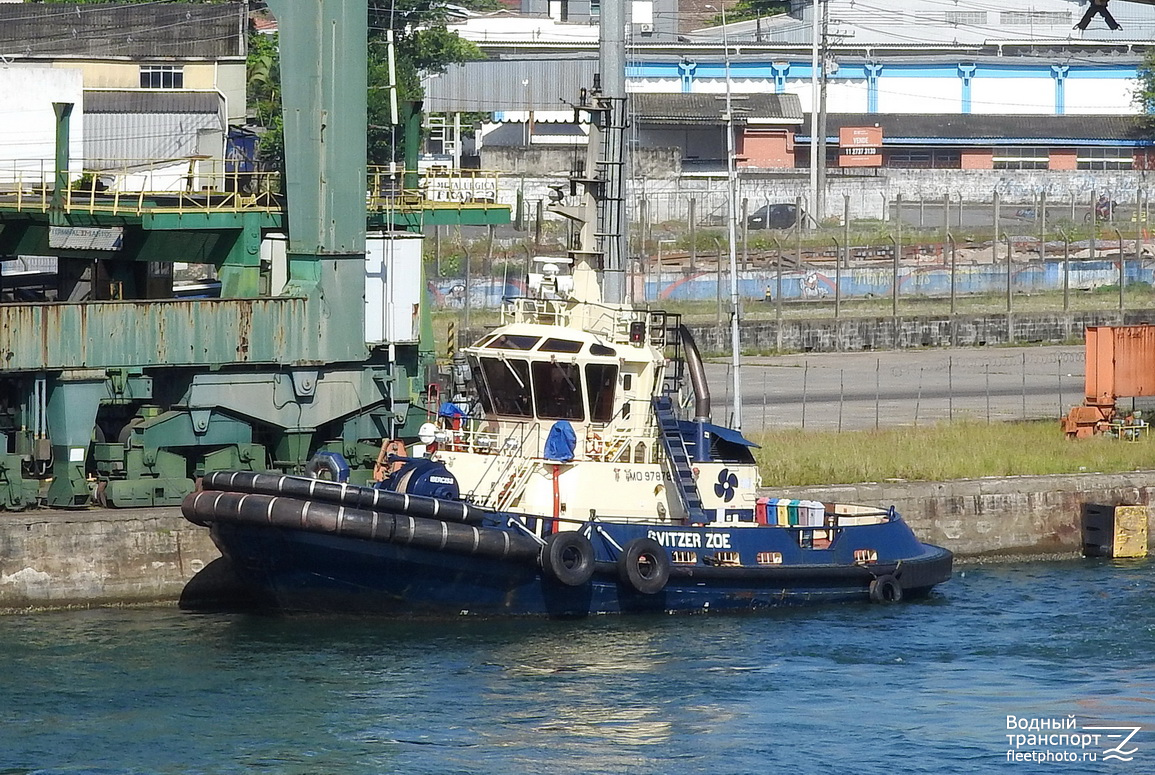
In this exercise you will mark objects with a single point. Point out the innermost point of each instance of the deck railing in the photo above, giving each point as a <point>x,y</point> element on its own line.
<point>203,184</point>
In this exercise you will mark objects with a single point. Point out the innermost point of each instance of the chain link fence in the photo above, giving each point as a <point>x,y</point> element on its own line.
<point>859,391</point>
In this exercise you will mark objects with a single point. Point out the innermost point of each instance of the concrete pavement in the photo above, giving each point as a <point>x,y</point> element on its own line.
<point>854,391</point>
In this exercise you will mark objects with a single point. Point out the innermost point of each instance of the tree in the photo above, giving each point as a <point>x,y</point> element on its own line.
<point>264,94</point>
<point>752,9</point>
<point>1144,94</point>
<point>422,44</point>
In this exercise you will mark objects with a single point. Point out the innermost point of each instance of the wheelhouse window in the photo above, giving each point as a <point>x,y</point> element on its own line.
<point>513,342</point>
<point>161,77</point>
<point>506,387</point>
<point>560,346</point>
<point>601,380</point>
<point>557,391</point>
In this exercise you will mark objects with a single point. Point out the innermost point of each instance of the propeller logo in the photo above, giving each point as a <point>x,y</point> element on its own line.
<point>726,485</point>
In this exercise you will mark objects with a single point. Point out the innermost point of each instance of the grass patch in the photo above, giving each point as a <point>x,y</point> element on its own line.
<point>959,450</point>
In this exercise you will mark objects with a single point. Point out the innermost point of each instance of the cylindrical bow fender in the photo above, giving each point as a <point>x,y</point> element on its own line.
<point>344,494</point>
<point>207,506</point>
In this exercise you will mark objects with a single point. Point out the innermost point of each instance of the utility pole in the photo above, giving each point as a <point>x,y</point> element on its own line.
<point>824,65</point>
<point>814,99</point>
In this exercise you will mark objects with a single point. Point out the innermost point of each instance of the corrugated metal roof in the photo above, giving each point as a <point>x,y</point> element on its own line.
<point>150,101</point>
<point>112,138</point>
<point>708,108</point>
<point>513,85</point>
<point>990,129</point>
<point>136,30</point>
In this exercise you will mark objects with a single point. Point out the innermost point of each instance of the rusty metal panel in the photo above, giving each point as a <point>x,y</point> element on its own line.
<point>1120,362</point>
<point>1099,369</point>
<point>1134,360</point>
<point>205,332</point>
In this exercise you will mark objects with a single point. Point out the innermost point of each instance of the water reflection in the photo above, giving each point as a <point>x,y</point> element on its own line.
<point>924,687</point>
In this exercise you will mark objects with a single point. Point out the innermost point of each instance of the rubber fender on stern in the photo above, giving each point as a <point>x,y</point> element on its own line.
<point>885,589</point>
<point>644,566</point>
<point>568,558</point>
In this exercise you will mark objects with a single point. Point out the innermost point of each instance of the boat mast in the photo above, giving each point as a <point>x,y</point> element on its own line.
<point>611,164</point>
<point>600,213</point>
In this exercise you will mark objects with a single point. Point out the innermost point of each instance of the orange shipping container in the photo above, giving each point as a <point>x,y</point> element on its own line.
<point>1120,362</point>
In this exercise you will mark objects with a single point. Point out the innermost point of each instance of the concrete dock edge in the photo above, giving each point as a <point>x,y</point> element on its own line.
<point>59,559</point>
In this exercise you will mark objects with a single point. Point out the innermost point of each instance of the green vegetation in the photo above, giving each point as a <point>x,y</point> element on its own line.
<point>264,87</point>
<point>1144,94</point>
<point>960,450</point>
<point>423,44</point>
<point>752,9</point>
<point>674,236</point>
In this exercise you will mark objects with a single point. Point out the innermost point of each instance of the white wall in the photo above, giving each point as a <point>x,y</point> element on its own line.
<point>1013,95</point>
<point>1103,95</point>
<point>919,95</point>
<point>846,96</point>
<point>28,123</point>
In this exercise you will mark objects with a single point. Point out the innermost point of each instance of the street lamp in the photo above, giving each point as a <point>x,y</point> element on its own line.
<point>732,200</point>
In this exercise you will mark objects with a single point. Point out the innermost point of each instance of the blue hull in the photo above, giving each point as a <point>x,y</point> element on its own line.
<point>301,570</point>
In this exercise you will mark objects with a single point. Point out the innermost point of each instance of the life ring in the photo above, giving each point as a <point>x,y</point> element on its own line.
<point>595,446</point>
<point>885,589</point>
<point>568,558</point>
<point>644,566</point>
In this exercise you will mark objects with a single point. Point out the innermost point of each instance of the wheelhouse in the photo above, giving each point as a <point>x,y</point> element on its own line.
<point>525,375</point>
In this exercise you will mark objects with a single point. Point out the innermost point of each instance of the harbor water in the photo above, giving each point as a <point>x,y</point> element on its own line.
<point>999,671</point>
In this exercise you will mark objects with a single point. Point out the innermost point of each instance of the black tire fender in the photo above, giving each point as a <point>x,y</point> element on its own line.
<point>568,558</point>
<point>644,566</point>
<point>885,589</point>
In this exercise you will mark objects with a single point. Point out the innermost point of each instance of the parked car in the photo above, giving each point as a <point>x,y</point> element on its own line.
<point>775,216</point>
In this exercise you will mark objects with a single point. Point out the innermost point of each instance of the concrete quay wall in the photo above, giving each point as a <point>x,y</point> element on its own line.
<point>56,559</point>
<point>887,333</point>
<point>1022,515</point>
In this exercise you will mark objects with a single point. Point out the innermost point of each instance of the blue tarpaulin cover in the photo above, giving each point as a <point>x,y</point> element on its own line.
<point>450,410</point>
<point>561,441</point>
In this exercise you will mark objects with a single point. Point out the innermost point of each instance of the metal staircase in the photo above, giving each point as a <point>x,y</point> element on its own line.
<point>675,446</point>
<point>515,484</point>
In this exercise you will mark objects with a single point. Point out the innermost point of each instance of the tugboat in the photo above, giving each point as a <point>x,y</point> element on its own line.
<point>572,486</point>
<point>578,473</point>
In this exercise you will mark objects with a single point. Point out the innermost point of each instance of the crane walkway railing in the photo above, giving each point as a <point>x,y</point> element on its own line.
<point>207,185</point>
